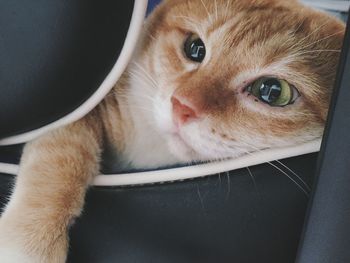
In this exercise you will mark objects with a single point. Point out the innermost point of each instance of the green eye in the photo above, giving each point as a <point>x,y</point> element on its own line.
<point>194,48</point>
<point>273,91</point>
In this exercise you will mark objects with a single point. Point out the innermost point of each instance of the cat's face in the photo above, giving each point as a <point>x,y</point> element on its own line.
<point>220,78</point>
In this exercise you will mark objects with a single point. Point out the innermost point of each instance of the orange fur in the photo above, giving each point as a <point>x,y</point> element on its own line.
<point>244,40</point>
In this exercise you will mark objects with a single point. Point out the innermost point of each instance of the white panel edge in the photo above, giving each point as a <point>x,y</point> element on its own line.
<point>200,170</point>
<point>194,171</point>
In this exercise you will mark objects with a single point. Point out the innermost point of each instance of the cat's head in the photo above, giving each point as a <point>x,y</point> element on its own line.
<point>219,78</point>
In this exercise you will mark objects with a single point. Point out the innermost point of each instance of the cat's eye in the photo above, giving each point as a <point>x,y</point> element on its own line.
<point>194,48</point>
<point>273,91</point>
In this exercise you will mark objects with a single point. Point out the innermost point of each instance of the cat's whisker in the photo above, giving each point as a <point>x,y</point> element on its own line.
<point>322,39</point>
<point>298,55</point>
<point>313,32</point>
<point>193,23</point>
<point>138,96</point>
<point>216,10</point>
<point>146,73</point>
<point>228,185</point>
<point>319,51</point>
<point>141,76</point>
<point>150,122</point>
<point>135,107</point>
<point>191,20</point>
<point>127,97</point>
<point>290,178</point>
<point>306,192</point>
<point>229,2</point>
<point>127,94</point>
<point>304,184</point>
<point>300,24</point>
<point>252,177</point>
<point>206,9</point>
<point>200,197</point>
<point>143,79</point>
<point>282,164</point>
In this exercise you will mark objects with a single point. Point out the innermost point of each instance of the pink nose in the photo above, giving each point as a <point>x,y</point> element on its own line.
<point>183,112</point>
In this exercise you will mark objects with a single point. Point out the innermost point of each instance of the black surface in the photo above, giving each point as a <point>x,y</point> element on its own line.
<point>11,154</point>
<point>207,220</point>
<point>327,233</point>
<point>54,55</point>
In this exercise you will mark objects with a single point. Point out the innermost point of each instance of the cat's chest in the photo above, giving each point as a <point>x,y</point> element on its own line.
<point>144,150</point>
<point>147,149</point>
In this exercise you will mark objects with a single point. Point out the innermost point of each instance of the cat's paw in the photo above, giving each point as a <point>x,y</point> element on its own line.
<point>20,246</point>
<point>19,253</point>
<point>15,254</point>
<point>12,250</point>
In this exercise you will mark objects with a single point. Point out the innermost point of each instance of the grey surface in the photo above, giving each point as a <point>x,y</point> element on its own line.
<point>334,7</point>
<point>327,234</point>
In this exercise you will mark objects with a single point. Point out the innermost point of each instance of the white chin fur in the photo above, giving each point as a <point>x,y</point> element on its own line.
<point>180,149</point>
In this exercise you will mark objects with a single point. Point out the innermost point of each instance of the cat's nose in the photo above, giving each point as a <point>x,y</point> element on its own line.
<point>183,112</point>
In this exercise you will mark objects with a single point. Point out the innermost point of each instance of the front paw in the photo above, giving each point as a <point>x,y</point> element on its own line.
<point>29,245</point>
<point>15,253</point>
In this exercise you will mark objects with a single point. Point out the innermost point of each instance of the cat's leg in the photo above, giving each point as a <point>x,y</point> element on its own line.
<point>55,172</point>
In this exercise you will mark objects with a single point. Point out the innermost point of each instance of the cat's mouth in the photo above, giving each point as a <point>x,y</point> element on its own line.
<point>180,139</point>
<point>181,147</point>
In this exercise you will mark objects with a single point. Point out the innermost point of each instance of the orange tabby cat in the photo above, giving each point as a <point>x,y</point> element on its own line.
<point>211,79</point>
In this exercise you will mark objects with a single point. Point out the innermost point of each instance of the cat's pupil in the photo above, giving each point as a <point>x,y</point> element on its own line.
<point>194,48</point>
<point>270,90</point>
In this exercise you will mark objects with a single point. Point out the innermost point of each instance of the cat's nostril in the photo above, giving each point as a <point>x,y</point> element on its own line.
<point>182,112</point>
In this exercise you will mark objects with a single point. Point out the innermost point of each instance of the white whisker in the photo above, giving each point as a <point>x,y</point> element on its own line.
<point>136,107</point>
<point>252,177</point>
<point>130,96</point>
<point>228,185</point>
<point>282,164</point>
<point>309,35</point>
<point>304,184</point>
<point>193,23</point>
<point>146,73</point>
<point>318,50</point>
<point>141,76</point>
<point>206,9</point>
<point>322,39</point>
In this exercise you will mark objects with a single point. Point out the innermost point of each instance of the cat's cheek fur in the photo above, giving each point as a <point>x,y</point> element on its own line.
<point>163,114</point>
<point>150,113</point>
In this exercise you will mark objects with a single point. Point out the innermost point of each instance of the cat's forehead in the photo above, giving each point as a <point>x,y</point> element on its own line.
<point>246,28</point>
<point>239,18</point>
<point>232,28</point>
<point>214,9</point>
<point>231,23</point>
